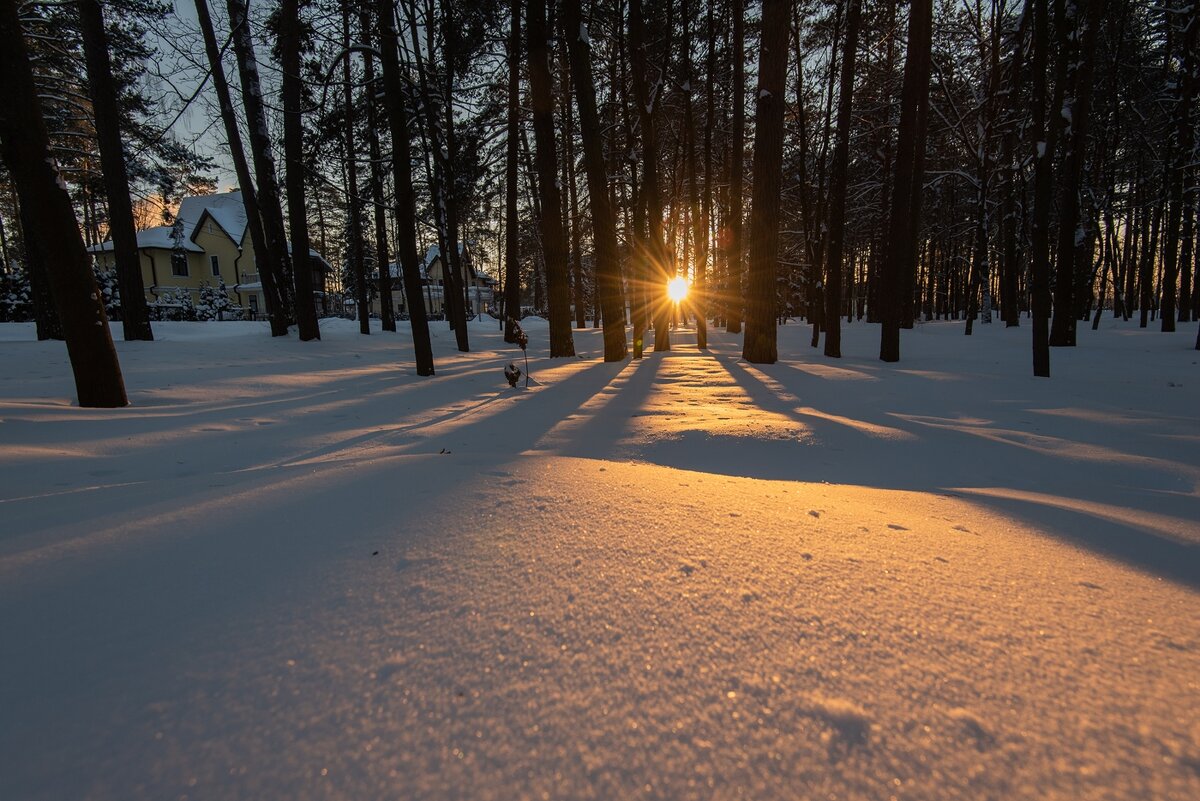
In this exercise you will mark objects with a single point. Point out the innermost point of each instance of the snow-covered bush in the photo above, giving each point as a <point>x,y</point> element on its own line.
<point>16,298</point>
<point>175,305</point>
<point>215,303</point>
<point>106,281</point>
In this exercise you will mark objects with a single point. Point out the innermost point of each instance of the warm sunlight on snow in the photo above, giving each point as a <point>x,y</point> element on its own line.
<point>677,288</point>
<point>296,570</point>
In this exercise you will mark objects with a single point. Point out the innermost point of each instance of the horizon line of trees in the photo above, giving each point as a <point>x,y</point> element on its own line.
<point>832,161</point>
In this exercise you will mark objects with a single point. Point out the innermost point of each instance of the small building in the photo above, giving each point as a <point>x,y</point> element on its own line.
<point>208,243</point>
<point>480,289</point>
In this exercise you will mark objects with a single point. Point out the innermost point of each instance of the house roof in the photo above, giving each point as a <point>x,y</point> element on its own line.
<point>158,237</point>
<point>225,209</point>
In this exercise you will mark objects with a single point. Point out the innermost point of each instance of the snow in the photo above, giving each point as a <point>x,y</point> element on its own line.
<point>297,570</point>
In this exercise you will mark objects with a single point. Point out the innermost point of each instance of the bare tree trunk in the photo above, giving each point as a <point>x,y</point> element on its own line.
<point>1062,330</point>
<point>406,206</point>
<point>553,240</point>
<point>733,285</point>
<point>604,223</point>
<point>135,316</point>
<point>26,151</point>
<point>905,219</point>
<point>273,264</point>
<point>837,187</point>
<point>760,345</point>
<point>237,153</point>
<point>1184,157</point>
<point>387,312</point>
<point>293,155</point>
<point>1043,157</point>
<point>512,263</point>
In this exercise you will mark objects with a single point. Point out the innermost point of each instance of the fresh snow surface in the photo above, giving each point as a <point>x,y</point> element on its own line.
<point>297,571</point>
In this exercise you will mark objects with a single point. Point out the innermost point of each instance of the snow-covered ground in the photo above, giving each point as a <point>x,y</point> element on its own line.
<point>294,571</point>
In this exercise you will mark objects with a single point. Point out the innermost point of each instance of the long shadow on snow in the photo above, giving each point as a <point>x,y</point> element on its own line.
<point>882,464</point>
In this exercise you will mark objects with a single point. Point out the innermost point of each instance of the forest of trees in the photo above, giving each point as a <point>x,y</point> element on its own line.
<point>824,162</point>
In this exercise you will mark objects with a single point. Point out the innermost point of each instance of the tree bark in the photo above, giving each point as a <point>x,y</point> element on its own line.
<point>512,262</point>
<point>406,205</point>
<point>233,137</point>
<point>274,267</point>
<point>553,240</point>
<point>905,216</point>
<point>837,187</point>
<point>43,196</point>
<point>733,278</point>
<point>760,345</point>
<point>1043,155</point>
<point>293,156</point>
<point>135,316</point>
<point>1062,330</point>
<point>604,222</point>
<point>387,312</point>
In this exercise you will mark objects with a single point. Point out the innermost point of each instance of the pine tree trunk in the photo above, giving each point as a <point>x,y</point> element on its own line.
<point>760,340</point>
<point>406,205</point>
<point>512,259</point>
<point>733,277</point>
<point>241,168</point>
<point>387,312</point>
<point>25,147</point>
<point>604,223</point>
<point>135,316</point>
<point>274,267</point>
<point>293,156</point>
<point>554,246</point>
<point>1043,155</point>
<point>1062,331</point>
<point>1184,157</point>
<point>837,187</point>
<point>902,230</point>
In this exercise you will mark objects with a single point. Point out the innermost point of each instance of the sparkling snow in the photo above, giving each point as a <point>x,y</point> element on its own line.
<point>296,570</point>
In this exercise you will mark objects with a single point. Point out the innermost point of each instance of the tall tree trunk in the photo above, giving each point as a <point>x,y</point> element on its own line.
<point>25,147</point>
<point>733,278</point>
<point>233,136</point>
<point>387,312</point>
<point>604,222</point>
<point>135,316</point>
<point>293,156</point>
<point>1043,156</point>
<point>554,246</point>
<point>656,270</point>
<point>837,186</point>
<point>1184,157</point>
<point>512,262</point>
<point>578,288</point>
<point>274,267</point>
<point>760,339</point>
<point>1062,330</point>
<point>406,205</point>
<point>904,221</point>
<point>354,236</point>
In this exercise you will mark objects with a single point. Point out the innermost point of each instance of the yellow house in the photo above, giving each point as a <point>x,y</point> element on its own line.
<point>208,243</point>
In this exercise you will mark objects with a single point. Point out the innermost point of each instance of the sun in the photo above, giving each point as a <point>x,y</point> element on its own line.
<point>677,288</point>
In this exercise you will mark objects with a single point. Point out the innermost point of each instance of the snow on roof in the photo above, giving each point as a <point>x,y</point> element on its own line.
<point>158,237</point>
<point>226,209</point>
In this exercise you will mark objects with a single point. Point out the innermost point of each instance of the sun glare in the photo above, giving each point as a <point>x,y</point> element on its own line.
<point>677,288</point>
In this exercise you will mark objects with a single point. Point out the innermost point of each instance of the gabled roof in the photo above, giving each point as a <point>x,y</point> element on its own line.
<point>158,237</point>
<point>225,209</point>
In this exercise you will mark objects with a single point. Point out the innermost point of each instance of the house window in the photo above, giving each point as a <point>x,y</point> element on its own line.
<point>216,266</point>
<point>254,305</point>
<point>179,265</point>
